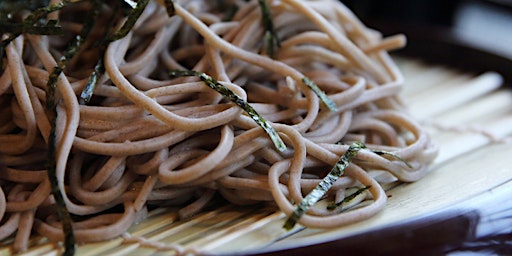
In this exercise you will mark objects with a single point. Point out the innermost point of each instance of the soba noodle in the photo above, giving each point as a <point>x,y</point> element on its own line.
<point>146,139</point>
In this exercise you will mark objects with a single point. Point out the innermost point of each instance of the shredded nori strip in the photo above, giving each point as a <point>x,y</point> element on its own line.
<point>130,21</point>
<point>50,28</point>
<point>271,37</point>
<point>92,82</point>
<point>336,172</point>
<point>320,94</point>
<point>29,25</point>
<point>382,152</point>
<point>99,68</point>
<point>51,108</point>
<point>226,92</point>
<point>51,165</point>
<point>321,189</point>
<point>51,103</point>
<point>349,198</point>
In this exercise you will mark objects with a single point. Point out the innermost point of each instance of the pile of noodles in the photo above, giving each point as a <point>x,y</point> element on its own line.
<point>148,140</point>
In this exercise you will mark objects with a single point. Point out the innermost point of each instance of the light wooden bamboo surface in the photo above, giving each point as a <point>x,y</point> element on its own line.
<point>470,118</point>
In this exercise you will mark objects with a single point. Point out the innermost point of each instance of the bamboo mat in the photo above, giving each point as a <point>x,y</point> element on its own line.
<point>468,115</point>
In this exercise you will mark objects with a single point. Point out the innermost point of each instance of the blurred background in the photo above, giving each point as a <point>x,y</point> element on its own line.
<point>455,32</point>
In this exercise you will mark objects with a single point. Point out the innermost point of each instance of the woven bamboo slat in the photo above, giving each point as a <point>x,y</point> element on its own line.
<point>470,118</point>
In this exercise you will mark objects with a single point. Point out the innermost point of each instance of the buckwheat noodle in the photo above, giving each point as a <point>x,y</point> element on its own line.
<point>148,140</point>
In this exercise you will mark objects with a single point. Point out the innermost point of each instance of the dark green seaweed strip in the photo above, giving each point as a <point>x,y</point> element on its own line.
<point>226,92</point>
<point>320,94</point>
<point>51,108</point>
<point>321,189</point>
<point>382,152</point>
<point>28,25</point>
<point>92,82</point>
<point>348,198</point>
<point>99,68</point>
<point>17,29</point>
<point>271,37</point>
<point>33,18</point>
<point>51,164</point>
<point>67,228</point>
<point>130,21</point>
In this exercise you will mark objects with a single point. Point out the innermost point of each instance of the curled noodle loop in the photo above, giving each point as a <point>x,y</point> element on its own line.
<point>147,139</point>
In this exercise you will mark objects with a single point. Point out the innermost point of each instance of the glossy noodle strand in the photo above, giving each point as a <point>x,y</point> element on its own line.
<point>147,139</point>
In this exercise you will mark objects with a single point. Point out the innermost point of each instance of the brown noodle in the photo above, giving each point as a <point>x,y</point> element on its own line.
<point>149,140</point>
